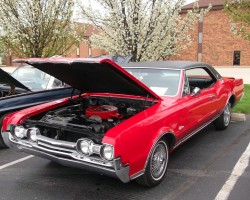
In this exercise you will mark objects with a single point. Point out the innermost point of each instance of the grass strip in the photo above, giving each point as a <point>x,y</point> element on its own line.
<point>244,105</point>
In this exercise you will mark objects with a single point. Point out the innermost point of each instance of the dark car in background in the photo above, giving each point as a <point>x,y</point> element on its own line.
<point>35,79</point>
<point>28,86</point>
<point>26,78</point>
<point>10,86</point>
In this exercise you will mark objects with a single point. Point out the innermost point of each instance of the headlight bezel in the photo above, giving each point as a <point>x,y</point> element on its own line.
<point>19,134</point>
<point>105,150</point>
<point>89,146</point>
<point>30,131</point>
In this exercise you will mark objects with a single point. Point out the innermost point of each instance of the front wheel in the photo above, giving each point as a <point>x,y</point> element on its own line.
<point>2,144</point>
<point>156,166</point>
<point>223,121</point>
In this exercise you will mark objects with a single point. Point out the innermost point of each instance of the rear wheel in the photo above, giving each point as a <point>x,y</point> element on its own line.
<point>223,121</point>
<point>156,166</point>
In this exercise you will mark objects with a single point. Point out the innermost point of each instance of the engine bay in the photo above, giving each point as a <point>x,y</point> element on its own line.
<point>89,117</point>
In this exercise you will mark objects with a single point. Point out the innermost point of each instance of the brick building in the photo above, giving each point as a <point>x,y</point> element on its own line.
<point>84,49</point>
<point>213,41</point>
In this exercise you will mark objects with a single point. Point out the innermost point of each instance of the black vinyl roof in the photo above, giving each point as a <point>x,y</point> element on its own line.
<point>165,64</point>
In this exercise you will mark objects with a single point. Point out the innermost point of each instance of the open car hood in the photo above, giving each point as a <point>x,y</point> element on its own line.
<point>7,79</point>
<point>92,75</point>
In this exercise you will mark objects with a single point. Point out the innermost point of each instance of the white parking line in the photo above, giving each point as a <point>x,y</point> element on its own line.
<point>15,162</point>
<point>238,170</point>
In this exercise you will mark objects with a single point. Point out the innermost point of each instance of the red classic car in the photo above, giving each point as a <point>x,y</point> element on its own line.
<point>126,119</point>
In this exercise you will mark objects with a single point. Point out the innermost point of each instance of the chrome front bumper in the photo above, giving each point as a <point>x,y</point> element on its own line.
<point>64,153</point>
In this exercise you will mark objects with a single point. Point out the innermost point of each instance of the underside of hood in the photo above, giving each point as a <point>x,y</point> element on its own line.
<point>92,75</point>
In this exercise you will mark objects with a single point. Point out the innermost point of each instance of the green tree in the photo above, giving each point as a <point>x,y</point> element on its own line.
<point>239,12</point>
<point>38,28</point>
<point>146,29</point>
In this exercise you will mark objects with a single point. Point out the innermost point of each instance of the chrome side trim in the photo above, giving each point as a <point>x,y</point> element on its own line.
<point>203,126</point>
<point>196,131</point>
<point>137,174</point>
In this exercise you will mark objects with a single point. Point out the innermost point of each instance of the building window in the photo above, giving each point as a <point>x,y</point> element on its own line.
<point>236,60</point>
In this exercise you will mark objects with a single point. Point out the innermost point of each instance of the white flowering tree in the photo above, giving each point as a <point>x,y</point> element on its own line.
<point>239,12</point>
<point>38,28</point>
<point>2,49</point>
<point>146,29</point>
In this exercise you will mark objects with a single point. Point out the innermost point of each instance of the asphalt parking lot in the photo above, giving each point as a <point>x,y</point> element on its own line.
<point>199,169</point>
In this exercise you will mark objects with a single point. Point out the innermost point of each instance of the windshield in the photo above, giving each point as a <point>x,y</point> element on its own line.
<point>31,77</point>
<point>164,82</point>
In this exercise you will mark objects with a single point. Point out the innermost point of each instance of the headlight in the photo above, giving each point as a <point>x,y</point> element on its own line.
<point>20,131</point>
<point>85,146</point>
<point>107,152</point>
<point>32,133</point>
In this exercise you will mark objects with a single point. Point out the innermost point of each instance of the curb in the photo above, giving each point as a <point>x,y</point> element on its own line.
<point>238,117</point>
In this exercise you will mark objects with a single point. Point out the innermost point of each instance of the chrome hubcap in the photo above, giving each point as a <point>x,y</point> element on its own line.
<point>227,115</point>
<point>159,161</point>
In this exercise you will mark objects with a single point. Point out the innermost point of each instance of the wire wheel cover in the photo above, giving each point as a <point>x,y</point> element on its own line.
<point>227,115</point>
<point>159,161</point>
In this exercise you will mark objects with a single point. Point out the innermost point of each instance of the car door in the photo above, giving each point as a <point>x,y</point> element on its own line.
<point>199,98</point>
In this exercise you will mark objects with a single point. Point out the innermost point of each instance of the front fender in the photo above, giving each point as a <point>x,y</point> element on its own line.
<point>134,146</point>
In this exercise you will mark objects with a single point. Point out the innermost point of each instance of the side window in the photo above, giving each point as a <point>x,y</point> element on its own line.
<point>199,77</point>
<point>57,83</point>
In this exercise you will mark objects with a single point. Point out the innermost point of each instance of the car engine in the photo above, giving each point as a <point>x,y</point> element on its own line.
<point>89,118</point>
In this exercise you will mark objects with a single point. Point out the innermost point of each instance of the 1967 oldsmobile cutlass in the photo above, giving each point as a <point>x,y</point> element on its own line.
<point>126,120</point>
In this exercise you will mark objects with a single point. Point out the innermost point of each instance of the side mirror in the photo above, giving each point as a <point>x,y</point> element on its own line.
<point>196,91</point>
